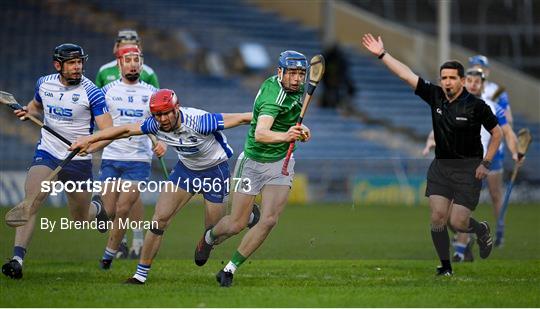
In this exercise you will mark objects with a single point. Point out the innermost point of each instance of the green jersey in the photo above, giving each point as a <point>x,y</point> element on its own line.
<point>109,73</point>
<point>284,107</point>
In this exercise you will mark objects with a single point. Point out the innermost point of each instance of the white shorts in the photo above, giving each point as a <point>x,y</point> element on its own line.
<point>255,175</point>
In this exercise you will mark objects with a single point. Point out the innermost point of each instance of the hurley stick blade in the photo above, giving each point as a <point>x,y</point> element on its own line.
<point>8,99</point>
<point>18,215</point>
<point>524,140</point>
<point>316,69</point>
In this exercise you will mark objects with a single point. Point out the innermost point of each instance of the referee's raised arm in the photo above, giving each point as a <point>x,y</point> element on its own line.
<point>376,47</point>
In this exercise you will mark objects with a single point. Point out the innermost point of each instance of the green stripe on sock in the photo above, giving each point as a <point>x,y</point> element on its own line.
<point>238,259</point>
<point>212,235</point>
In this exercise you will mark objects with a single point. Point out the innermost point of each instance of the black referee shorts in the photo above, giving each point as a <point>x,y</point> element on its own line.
<point>455,179</point>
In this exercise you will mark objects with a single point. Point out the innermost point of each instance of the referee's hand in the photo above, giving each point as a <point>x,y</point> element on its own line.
<point>481,172</point>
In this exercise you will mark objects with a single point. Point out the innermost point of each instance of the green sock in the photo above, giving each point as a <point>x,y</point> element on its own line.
<point>238,259</point>
<point>212,235</point>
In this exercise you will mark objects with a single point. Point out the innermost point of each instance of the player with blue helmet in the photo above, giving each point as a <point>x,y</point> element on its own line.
<point>276,110</point>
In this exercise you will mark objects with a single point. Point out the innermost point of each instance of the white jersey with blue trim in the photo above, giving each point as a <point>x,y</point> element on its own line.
<point>498,111</point>
<point>68,110</point>
<point>199,142</point>
<point>489,90</point>
<point>128,104</point>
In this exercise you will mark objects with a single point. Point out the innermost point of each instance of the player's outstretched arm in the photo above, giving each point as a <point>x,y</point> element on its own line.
<point>376,47</point>
<point>103,121</point>
<point>111,133</point>
<point>232,120</point>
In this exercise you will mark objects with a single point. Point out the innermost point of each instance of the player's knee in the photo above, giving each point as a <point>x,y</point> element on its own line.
<point>268,222</point>
<point>438,218</point>
<point>161,223</point>
<point>122,211</point>
<point>459,224</point>
<point>156,231</point>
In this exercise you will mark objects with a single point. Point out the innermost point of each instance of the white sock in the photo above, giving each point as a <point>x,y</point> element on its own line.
<point>137,238</point>
<point>208,238</point>
<point>139,277</point>
<point>18,259</point>
<point>231,268</point>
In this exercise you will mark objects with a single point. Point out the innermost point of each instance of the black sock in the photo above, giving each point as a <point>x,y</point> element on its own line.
<point>441,241</point>
<point>475,226</point>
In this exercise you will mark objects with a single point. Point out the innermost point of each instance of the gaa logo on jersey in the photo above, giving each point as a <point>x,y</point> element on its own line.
<point>192,139</point>
<point>75,97</point>
<point>145,98</point>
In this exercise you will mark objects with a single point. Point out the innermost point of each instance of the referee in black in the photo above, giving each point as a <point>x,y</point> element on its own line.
<point>456,173</point>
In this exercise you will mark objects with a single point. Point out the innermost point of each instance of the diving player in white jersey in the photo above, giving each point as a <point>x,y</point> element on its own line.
<point>202,166</point>
<point>69,103</point>
<point>126,160</point>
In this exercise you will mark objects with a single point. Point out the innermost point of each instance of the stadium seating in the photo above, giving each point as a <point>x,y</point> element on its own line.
<point>221,27</point>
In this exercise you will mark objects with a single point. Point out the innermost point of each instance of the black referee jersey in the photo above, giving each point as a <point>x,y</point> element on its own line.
<point>456,125</point>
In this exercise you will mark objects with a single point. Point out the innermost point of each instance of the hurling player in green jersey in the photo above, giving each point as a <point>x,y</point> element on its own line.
<point>258,169</point>
<point>108,73</point>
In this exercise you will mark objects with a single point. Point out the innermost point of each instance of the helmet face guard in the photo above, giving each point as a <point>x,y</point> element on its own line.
<point>126,36</point>
<point>66,52</point>
<point>476,72</point>
<point>130,50</point>
<point>291,60</point>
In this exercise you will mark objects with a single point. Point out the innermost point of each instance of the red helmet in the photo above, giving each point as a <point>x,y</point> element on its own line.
<point>163,100</point>
<point>128,49</point>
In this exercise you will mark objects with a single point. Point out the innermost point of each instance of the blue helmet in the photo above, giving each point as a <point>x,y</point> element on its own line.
<point>479,60</point>
<point>291,59</point>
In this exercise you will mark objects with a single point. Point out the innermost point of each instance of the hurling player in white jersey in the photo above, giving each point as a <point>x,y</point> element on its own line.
<point>202,167</point>
<point>491,90</point>
<point>126,160</point>
<point>474,82</point>
<point>69,103</point>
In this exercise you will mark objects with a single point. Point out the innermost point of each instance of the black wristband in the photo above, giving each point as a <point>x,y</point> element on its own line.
<point>382,54</point>
<point>486,164</point>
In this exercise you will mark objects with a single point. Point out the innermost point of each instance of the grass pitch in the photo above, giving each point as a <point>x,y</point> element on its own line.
<point>318,256</point>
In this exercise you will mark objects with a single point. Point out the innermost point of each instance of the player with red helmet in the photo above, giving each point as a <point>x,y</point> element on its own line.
<point>202,149</point>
